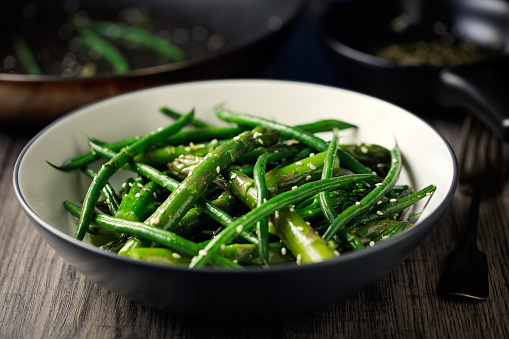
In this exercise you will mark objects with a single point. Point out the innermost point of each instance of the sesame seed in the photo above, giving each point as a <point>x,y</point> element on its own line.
<point>264,200</point>
<point>310,165</point>
<point>260,141</point>
<point>123,185</point>
<point>364,149</point>
<point>137,195</point>
<point>223,246</point>
<point>233,176</point>
<point>235,261</point>
<point>140,185</point>
<point>257,134</point>
<point>308,178</point>
<point>214,142</point>
<point>357,203</point>
<point>294,187</point>
<point>176,255</point>
<point>283,250</point>
<point>379,212</point>
<point>385,237</point>
<point>236,138</point>
<point>394,160</point>
<point>202,253</point>
<point>154,221</point>
<point>131,184</point>
<point>298,163</point>
<point>378,184</point>
<point>393,200</point>
<point>218,169</point>
<point>379,202</point>
<point>336,253</point>
<point>239,229</point>
<point>311,154</point>
<point>291,209</point>
<point>428,194</point>
<point>299,228</point>
<point>371,243</point>
<point>299,257</point>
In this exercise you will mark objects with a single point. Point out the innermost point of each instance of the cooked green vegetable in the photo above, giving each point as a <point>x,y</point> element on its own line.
<point>256,196</point>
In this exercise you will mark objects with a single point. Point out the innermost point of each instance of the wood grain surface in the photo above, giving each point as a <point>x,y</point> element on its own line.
<point>41,296</point>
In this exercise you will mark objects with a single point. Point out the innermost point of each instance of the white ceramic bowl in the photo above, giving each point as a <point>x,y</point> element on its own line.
<point>42,189</point>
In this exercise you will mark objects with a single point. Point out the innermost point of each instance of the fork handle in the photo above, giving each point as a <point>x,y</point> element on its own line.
<point>473,218</point>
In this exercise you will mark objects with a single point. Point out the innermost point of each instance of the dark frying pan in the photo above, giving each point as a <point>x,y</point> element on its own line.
<point>252,31</point>
<point>351,30</point>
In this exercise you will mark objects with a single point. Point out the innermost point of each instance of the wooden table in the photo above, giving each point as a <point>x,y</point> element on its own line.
<point>41,296</point>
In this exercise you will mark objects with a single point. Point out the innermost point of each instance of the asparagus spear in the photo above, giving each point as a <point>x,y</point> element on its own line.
<point>190,189</point>
<point>297,235</point>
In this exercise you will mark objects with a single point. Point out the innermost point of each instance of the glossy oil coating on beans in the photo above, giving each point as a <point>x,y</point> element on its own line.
<point>253,193</point>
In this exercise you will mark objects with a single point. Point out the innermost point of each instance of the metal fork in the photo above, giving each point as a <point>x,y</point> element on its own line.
<point>482,172</point>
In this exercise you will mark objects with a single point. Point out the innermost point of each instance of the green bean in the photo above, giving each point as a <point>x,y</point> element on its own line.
<point>262,225</point>
<point>392,207</point>
<point>142,230</point>
<point>108,192</point>
<point>25,56</point>
<point>110,167</point>
<point>139,36</point>
<point>181,137</point>
<point>370,199</point>
<point>292,132</point>
<point>326,125</point>
<point>273,204</point>
<point>204,134</point>
<point>175,115</point>
<point>106,50</point>
<point>325,200</point>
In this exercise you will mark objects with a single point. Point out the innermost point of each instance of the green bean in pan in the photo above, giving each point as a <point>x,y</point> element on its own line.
<point>105,49</point>
<point>25,56</point>
<point>138,36</point>
<point>110,167</point>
